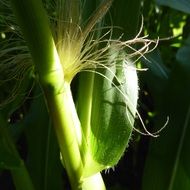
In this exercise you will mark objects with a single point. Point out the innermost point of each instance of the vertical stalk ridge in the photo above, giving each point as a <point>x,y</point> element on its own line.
<point>66,124</point>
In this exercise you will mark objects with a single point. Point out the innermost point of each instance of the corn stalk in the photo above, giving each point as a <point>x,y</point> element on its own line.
<point>35,27</point>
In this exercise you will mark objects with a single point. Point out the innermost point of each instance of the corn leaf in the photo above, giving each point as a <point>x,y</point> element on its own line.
<point>43,152</point>
<point>8,158</point>
<point>181,5</point>
<point>130,12</point>
<point>167,166</point>
<point>157,72</point>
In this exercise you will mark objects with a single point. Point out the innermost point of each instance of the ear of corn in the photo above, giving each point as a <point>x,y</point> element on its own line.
<point>111,103</point>
<point>115,94</point>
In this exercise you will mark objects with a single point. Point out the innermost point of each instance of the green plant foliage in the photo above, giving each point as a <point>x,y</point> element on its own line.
<point>129,11</point>
<point>182,5</point>
<point>8,158</point>
<point>166,164</point>
<point>168,154</point>
<point>157,72</point>
<point>183,54</point>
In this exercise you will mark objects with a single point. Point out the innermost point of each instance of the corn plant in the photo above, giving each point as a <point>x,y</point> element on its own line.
<point>92,132</point>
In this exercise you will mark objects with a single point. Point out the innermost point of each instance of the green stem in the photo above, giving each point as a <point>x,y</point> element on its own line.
<point>35,27</point>
<point>21,178</point>
<point>85,89</point>
<point>66,122</point>
<point>94,182</point>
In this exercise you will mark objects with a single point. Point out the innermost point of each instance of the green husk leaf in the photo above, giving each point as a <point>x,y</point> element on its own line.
<point>113,111</point>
